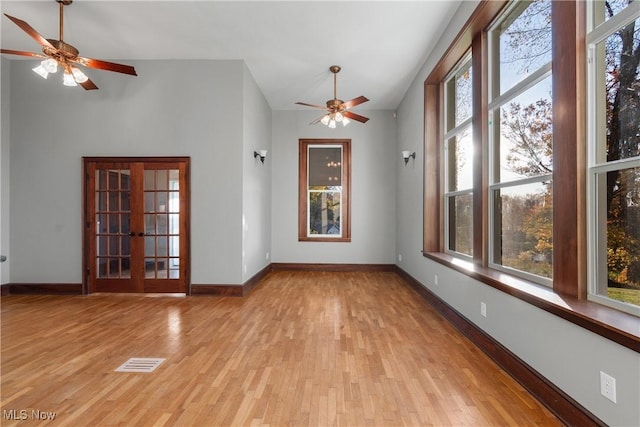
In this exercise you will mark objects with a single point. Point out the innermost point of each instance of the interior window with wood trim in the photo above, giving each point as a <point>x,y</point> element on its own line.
<point>520,162</point>
<point>458,164</point>
<point>613,64</point>
<point>556,154</point>
<point>324,190</point>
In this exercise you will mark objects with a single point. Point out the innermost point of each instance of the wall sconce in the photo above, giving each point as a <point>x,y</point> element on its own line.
<point>262,154</point>
<point>406,155</point>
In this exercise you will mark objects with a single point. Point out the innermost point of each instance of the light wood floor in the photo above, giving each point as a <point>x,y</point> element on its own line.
<point>302,349</point>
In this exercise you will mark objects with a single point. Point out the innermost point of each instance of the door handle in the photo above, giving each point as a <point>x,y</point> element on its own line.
<point>134,234</point>
<point>140,234</point>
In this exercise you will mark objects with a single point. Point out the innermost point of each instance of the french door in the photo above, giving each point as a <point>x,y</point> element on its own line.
<point>136,224</point>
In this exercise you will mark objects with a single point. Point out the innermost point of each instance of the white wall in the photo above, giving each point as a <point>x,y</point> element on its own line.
<point>181,108</point>
<point>568,355</point>
<point>5,126</point>
<point>374,159</point>
<point>256,205</point>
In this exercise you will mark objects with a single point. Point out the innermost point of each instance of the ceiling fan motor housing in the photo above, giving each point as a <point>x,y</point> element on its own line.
<point>62,48</point>
<point>335,104</point>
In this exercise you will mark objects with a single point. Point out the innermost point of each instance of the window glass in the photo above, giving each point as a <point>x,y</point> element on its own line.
<point>463,97</point>
<point>460,212</point>
<point>460,158</point>
<point>623,236</point>
<point>526,134</point>
<point>524,231</point>
<point>458,147</point>
<point>521,142</point>
<point>615,156</point>
<point>618,104</point>
<point>323,199</point>
<point>524,42</point>
<point>325,190</point>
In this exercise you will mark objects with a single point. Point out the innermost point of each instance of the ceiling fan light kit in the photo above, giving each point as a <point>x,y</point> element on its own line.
<point>337,109</point>
<point>58,53</point>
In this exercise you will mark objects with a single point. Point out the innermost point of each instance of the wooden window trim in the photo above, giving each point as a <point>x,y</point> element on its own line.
<point>567,299</point>
<point>345,212</point>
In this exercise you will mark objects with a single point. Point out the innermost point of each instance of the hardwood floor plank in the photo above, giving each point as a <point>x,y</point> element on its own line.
<point>304,348</point>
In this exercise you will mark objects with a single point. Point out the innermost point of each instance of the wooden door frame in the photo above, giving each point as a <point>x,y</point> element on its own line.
<point>86,221</point>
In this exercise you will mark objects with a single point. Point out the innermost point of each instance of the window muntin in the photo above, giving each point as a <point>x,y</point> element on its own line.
<point>521,142</point>
<point>614,155</point>
<point>604,10</point>
<point>324,179</point>
<point>458,148</point>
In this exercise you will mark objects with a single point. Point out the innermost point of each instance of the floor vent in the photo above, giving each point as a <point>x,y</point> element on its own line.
<point>140,364</point>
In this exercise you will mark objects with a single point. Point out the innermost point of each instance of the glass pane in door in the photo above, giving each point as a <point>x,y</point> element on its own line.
<point>162,223</point>
<point>113,214</point>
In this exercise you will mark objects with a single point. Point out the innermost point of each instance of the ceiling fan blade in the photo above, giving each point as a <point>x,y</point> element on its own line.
<point>316,121</point>
<point>105,65</point>
<point>354,116</point>
<point>322,107</point>
<point>31,31</point>
<point>355,101</point>
<point>88,85</point>
<point>22,53</point>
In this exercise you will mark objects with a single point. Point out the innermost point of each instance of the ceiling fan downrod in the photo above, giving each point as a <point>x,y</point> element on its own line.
<point>62,3</point>
<point>335,69</point>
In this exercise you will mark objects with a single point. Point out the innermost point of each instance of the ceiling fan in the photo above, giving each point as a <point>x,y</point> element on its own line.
<point>58,53</point>
<point>337,108</point>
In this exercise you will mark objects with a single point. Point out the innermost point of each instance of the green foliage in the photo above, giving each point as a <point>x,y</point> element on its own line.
<point>631,296</point>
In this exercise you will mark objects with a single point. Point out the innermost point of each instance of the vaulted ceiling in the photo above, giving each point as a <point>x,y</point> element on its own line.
<point>287,45</point>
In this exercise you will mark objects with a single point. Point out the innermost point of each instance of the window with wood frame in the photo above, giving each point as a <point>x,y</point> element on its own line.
<point>515,229</point>
<point>458,161</point>
<point>520,138</point>
<point>324,190</point>
<point>574,257</point>
<point>613,64</point>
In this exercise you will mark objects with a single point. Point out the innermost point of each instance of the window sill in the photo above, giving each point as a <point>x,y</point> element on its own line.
<point>620,327</point>
<point>325,239</point>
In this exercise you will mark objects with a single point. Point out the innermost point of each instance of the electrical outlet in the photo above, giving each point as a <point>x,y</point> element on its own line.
<point>435,279</point>
<point>267,256</point>
<point>399,257</point>
<point>483,309</point>
<point>608,386</point>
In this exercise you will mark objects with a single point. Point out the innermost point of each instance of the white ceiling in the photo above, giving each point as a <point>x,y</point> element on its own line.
<point>287,45</point>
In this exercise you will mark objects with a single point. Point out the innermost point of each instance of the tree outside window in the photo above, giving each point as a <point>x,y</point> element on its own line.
<point>614,55</point>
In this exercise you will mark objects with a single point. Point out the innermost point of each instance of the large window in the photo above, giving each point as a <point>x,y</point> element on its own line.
<point>556,156</point>
<point>324,179</point>
<point>458,165</point>
<point>520,142</point>
<point>614,153</point>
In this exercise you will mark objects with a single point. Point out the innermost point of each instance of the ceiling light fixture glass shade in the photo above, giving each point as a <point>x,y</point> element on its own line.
<point>78,75</point>
<point>68,80</point>
<point>330,119</point>
<point>51,65</point>
<point>41,71</point>
<point>47,66</point>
